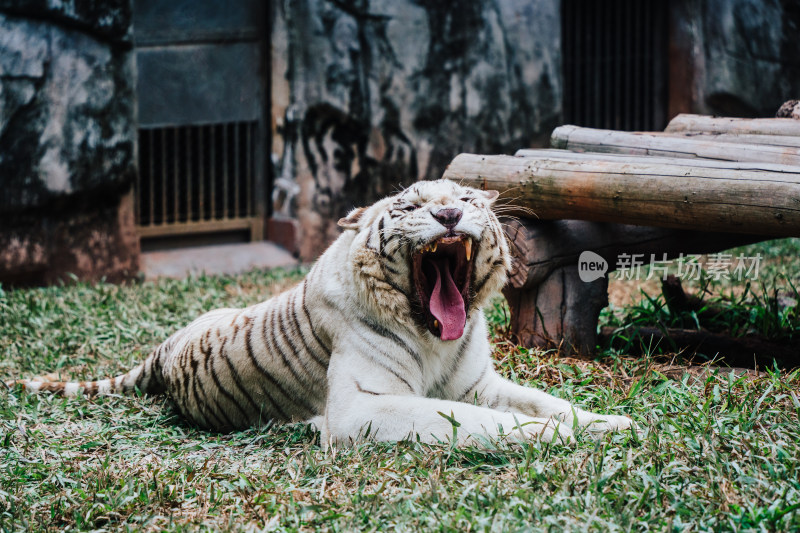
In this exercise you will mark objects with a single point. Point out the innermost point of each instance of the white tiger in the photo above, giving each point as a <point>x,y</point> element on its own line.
<point>384,338</point>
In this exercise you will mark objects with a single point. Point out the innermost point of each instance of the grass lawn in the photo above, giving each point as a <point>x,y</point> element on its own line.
<point>716,451</point>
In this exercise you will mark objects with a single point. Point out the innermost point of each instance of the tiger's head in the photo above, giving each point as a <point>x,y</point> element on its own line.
<point>433,253</point>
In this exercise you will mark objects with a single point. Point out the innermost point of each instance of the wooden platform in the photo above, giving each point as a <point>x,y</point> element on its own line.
<point>658,194</point>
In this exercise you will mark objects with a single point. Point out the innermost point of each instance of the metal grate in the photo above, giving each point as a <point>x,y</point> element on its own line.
<point>615,63</point>
<point>195,179</point>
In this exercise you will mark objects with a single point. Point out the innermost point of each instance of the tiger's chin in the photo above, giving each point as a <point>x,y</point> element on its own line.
<point>442,277</point>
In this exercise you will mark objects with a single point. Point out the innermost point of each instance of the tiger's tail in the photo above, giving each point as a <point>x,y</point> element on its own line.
<point>146,378</point>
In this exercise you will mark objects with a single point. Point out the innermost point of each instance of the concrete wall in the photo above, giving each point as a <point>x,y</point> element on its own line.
<point>67,140</point>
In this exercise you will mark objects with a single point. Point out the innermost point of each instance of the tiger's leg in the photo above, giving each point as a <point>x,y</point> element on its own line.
<point>371,403</point>
<point>499,393</point>
<point>389,417</point>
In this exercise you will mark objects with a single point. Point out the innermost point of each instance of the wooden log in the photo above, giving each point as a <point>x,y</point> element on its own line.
<point>734,166</point>
<point>634,143</point>
<point>757,126</point>
<point>785,141</point>
<point>734,351</point>
<point>765,202</point>
<point>542,246</point>
<point>678,302</point>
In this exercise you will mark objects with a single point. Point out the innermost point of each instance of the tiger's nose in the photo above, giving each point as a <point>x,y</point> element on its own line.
<point>448,217</point>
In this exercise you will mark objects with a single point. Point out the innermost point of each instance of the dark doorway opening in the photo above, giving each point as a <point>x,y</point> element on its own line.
<point>202,98</point>
<point>615,63</point>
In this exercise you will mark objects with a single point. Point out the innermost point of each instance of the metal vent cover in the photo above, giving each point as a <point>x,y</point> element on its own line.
<point>615,61</point>
<point>195,179</point>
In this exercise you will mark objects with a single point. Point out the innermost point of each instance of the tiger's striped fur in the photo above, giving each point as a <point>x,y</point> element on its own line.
<point>357,344</point>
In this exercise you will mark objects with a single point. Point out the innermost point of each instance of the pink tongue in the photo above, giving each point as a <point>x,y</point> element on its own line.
<point>447,305</point>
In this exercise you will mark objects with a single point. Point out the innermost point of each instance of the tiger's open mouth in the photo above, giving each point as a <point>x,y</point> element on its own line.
<point>442,272</point>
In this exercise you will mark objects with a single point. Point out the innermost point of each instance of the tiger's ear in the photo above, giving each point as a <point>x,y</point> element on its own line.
<point>490,195</point>
<point>353,218</point>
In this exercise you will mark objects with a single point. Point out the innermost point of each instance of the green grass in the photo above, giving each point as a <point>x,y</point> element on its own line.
<point>715,451</point>
<point>767,306</point>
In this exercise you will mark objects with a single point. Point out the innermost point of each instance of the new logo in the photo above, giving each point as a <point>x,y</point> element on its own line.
<point>591,266</point>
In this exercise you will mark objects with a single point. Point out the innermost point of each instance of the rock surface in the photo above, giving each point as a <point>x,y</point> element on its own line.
<point>748,55</point>
<point>373,95</point>
<point>66,114</point>
<point>67,138</point>
<point>105,19</point>
<point>369,95</point>
<point>789,109</point>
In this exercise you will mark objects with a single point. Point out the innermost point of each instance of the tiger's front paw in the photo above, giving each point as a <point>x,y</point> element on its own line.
<point>601,424</point>
<point>549,430</point>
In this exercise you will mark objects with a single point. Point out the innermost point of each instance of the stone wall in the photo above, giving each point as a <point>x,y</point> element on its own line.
<point>366,96</point>
<point>372,95</point>
<point>369,95</point>
<point>746,55</point>
<point>67,140</point>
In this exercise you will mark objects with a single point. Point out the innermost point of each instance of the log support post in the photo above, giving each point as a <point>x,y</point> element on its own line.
<point>551,307</point>
<point>560,313</point>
